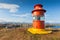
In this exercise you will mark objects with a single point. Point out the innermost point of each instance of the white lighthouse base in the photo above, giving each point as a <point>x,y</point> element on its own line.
<point>38,31</point>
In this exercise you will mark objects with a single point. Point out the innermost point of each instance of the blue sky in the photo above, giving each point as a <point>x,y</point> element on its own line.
<point>20,10</point>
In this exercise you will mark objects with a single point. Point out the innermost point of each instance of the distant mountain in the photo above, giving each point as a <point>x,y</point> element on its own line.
<point>14,23</point>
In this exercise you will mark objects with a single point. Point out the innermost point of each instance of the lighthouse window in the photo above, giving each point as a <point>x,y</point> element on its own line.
<point>36,17</point>
<point>42,18</point>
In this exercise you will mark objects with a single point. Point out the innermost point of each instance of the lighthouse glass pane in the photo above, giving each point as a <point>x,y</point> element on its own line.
<point>36,17</point>
<point>42,18</point>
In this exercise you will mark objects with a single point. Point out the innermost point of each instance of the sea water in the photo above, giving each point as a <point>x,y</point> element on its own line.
<point>55,27</point>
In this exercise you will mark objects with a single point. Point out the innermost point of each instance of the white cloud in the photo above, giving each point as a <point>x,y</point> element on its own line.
<point>16,20</point>
<point>4,20</point>
<point>22,15</point>
<point>19,18</point>
<point>10,7</point>
<point>47,15</point>
<point>52,21</point>
<point>27,17</point>
<point>9,20</point>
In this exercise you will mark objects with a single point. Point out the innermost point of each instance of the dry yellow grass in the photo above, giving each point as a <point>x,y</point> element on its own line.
<point>22,34</point>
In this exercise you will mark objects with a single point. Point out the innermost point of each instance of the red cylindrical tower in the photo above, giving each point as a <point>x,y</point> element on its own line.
<point>38,20</point>
<point>38,16</point>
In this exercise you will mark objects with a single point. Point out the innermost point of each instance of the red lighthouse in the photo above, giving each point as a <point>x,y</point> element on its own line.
<point>38,16</point>
<point>38,20</point>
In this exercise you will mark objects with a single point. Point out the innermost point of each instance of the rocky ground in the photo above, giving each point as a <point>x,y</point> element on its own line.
<point>23,34</point>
